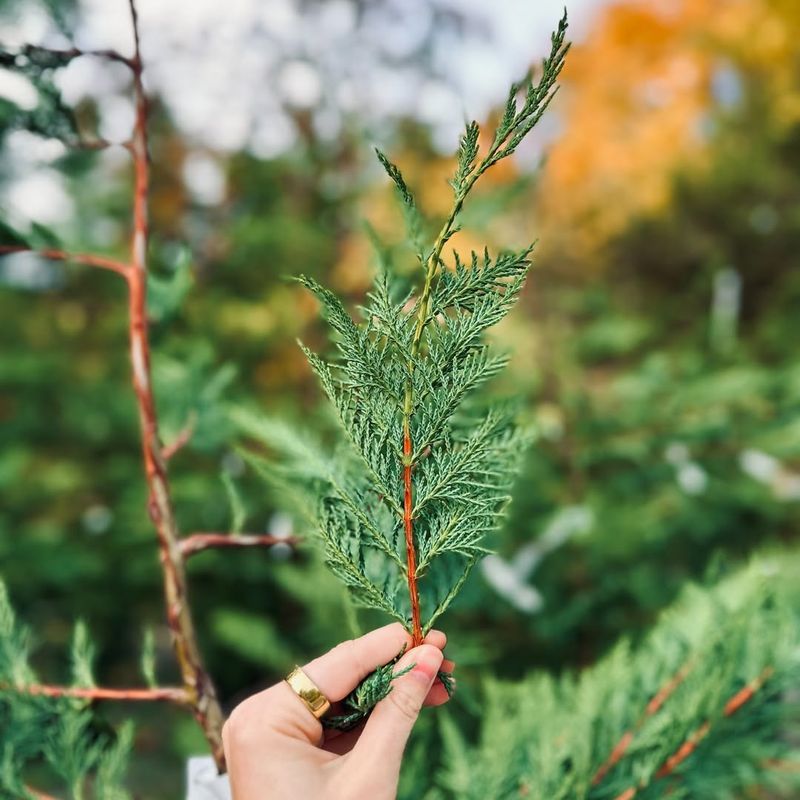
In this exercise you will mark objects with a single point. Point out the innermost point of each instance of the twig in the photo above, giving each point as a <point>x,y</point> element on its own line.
<point>96,144</point>
<point>87,259</point>
<point>197,692</point>
<point>31,50</point>
<point>198,542</point>
<point>170,694</point>
<point>181,440</point>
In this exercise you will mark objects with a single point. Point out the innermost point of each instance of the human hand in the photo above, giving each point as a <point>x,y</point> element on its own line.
<point>276,749</point>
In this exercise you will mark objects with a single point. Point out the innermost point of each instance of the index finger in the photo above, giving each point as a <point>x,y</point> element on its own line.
<point>340,670</point>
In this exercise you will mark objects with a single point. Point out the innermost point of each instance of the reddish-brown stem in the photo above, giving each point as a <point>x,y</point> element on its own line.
<point>691,742</point>
<point>684,751</point>
<point>747,692</point>
<point>658,700</point>
<point>198,542</point>
<point>408,526</point>
<point>197,682</point>
<point>169,694</point>
<point>87,259</point>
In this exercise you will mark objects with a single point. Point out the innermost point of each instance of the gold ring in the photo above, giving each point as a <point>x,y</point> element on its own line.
<point>308,692</point>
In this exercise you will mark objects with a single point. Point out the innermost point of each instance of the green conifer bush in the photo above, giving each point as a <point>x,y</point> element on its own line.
<point>705,707</point>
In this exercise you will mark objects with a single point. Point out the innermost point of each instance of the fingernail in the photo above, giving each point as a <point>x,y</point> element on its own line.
<point>426,660</point>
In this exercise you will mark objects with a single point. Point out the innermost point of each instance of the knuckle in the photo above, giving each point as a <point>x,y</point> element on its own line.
<point>406,703</point>
<point>231,730</point>
<point>239,730</point>
<point>350,650</point>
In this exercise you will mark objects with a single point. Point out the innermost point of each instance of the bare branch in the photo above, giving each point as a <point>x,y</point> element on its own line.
<point>67,54</point>
<point>197,682</point>
<point>87,259</point>
<point>198,542</point>
<point>181,440</point>
<point>170,694</point>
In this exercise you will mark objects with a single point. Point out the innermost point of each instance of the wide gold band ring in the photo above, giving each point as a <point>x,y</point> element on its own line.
<point>308,692</point>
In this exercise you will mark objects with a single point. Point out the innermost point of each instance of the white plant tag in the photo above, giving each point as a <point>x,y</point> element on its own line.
<point>203,782</point>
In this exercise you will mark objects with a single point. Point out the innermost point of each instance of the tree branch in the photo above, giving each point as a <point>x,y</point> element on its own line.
<point>198,542</point>
<point>87,259</point>
<point>197,682</point>
<point>170,694</point>
<point>67,54</point>
<point>198,692</point>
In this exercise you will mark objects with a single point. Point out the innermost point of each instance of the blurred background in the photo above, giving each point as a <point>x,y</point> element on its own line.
<point>655,345</point>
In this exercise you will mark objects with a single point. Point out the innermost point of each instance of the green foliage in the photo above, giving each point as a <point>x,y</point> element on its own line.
<point>401,382</point>
<point>656,444</point>
<point>717,671</point>
<point>366,696</point>
<point>59,732</point>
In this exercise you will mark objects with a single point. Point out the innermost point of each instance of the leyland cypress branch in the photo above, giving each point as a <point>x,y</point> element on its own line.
<point>408,446</point>
<point>403,507</point>
<point>466,176</point>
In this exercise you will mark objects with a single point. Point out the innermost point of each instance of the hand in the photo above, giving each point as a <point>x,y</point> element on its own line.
<point>276,749</point>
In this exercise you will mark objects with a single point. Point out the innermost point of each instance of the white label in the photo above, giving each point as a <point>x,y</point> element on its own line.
<point>203,782</point>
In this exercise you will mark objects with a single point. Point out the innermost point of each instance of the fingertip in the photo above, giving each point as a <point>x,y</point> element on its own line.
<point>437,696</point>
<point>422,662</point>
<point>437,639</point>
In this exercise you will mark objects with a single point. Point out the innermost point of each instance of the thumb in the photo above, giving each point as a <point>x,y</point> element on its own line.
<point>387,730</point>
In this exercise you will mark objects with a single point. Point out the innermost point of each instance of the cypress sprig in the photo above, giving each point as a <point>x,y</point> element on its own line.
<point>404,509</point>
